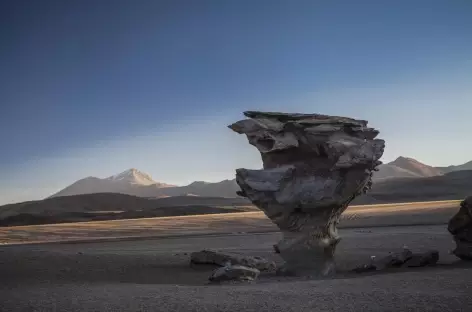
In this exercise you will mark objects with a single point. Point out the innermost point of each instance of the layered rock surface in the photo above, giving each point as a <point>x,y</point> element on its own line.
<point>313,167</point>
<point>460,226</point>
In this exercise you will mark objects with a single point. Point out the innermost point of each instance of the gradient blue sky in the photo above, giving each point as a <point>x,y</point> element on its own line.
<point>96,87</point>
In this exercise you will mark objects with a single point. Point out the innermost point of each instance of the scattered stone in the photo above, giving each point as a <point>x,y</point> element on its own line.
<point>313,167</point>
<point>460,226</point>
<point>222,258</point>
<point>394,259</point>
<point>423,259</point>
<point>234,273</point>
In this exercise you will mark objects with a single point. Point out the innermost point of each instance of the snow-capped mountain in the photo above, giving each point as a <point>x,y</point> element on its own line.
<point>134,176</point>
<point>131,181</point>
<point>138,183</point>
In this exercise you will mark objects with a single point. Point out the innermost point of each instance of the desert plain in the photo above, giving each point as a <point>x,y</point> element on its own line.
<point>143,265</point>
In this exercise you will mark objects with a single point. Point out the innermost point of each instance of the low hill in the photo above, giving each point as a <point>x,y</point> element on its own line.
<point>453,185</point>
<point>466,166</point>
<point>405,167</point>
<point>416,167</point>
<point>109,206</point>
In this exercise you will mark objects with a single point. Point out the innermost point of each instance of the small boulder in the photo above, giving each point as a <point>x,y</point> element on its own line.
<point>423,259</point>
<point>394,259</point>
<point>234,273</point>
<point>460,226</point>
<point>221,258</point>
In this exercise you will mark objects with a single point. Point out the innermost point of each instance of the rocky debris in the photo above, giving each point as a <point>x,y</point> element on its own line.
<point>428,258</point>
<point>405,258</point>
<point>222,258</point>
<point>396,259</point>
<point>234,273</point>
<point>460,226</point>
<point>313,167</point>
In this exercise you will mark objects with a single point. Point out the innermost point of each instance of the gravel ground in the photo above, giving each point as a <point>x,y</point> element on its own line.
<point>446,290</point>
<point>154,275</point>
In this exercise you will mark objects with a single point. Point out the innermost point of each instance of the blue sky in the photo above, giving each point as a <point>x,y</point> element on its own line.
<point>96,87</point>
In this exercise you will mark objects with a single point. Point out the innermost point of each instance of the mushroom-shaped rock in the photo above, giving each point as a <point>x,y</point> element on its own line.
<point>313,167</point>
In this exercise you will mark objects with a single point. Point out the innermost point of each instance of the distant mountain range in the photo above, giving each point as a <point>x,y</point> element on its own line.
<point>134,194</point>
<point>137,183</point>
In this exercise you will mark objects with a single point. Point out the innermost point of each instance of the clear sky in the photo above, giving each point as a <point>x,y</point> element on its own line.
<point>96,87</point>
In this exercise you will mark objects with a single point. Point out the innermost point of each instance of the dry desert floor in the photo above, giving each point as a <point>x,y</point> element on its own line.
<point>147,268</point>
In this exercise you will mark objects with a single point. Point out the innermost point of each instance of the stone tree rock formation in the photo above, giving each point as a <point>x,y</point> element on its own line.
<point>461,227</point>
<point>313,167</point>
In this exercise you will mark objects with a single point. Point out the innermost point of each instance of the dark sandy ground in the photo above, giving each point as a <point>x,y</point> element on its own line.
<point>155,275</point>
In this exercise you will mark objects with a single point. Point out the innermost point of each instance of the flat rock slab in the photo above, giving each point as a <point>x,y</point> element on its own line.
<point>234,273</point>
<point>393,260</point>
<point>423,259</point>
<point>223,258</point>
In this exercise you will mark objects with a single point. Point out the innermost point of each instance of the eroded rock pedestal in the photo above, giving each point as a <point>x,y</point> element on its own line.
<point>460,226</point>
<point>313,167</point>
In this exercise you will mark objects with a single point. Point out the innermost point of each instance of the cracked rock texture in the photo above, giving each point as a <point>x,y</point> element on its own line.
<point>460,226</point>
<point>313,167</point>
